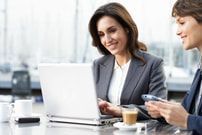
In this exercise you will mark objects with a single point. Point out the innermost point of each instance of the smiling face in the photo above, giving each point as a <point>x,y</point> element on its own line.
<point>190,32</point>
<point>112,35</point>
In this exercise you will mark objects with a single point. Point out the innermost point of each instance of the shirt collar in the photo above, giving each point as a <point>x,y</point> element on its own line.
<point>116,66</point>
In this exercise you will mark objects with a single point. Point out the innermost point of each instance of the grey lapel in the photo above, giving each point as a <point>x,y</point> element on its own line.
<point>106,69</point>
<point>134,73</point>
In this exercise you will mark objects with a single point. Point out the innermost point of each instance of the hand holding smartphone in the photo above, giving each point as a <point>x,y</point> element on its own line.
<point>148,97</point>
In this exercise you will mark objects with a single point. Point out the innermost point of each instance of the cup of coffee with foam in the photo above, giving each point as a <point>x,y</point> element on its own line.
<point>129,116</point>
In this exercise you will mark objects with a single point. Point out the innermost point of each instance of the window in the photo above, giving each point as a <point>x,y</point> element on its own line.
<point>33,31</point>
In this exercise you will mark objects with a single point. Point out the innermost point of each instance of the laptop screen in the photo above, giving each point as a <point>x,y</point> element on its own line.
<point>68,90</point>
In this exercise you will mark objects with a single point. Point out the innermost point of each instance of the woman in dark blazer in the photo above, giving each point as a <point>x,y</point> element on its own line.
<point>126,71</point>
<point>188,15</point>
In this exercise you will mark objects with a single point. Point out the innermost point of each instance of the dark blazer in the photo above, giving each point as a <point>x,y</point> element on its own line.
<point>194,121</point>
<point>141,78</point>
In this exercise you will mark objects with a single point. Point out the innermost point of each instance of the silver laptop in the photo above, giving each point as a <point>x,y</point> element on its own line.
<point>69,94</point>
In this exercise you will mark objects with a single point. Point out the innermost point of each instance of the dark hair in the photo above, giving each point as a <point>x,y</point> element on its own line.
<point>120,14</point>
<point>188,8</point>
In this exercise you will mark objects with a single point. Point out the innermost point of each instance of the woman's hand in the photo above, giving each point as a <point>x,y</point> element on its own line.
<point>152,109</point>
<point>174,113</point>
<point>109,109</point>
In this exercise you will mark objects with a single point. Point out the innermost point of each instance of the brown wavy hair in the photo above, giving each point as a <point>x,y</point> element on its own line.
<point>121,15</point>
<point>188,8</point>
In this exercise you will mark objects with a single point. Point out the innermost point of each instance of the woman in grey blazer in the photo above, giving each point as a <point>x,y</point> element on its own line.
<point>125,72</point>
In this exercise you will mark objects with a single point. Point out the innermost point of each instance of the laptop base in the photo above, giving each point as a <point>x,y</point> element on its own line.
<point>96,122</point>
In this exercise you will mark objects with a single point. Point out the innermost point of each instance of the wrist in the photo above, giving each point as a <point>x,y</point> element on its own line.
<point>119,111</point>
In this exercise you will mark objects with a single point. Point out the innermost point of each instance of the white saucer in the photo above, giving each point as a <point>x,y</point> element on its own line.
<point>122,126</point>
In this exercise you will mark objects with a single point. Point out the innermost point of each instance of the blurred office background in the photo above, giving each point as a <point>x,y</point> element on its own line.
<point>34,31</point>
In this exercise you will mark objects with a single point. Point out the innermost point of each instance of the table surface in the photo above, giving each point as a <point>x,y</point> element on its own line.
<point>51,128</point>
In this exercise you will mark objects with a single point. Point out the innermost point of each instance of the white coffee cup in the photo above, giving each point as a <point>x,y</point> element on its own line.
<point>5,112</point>
<point>22,107</point>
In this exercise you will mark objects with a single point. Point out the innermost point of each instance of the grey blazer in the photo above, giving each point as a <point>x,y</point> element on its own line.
<point>141,78</point>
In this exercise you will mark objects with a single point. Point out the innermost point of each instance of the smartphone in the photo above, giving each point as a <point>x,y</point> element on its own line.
<point>27,119</point>
<point>147,97</point>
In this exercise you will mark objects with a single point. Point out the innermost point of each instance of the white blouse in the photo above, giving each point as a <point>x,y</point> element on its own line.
<point>117,82</point>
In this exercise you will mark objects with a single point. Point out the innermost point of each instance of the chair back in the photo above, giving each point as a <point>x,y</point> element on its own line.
<point>21,84</point>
